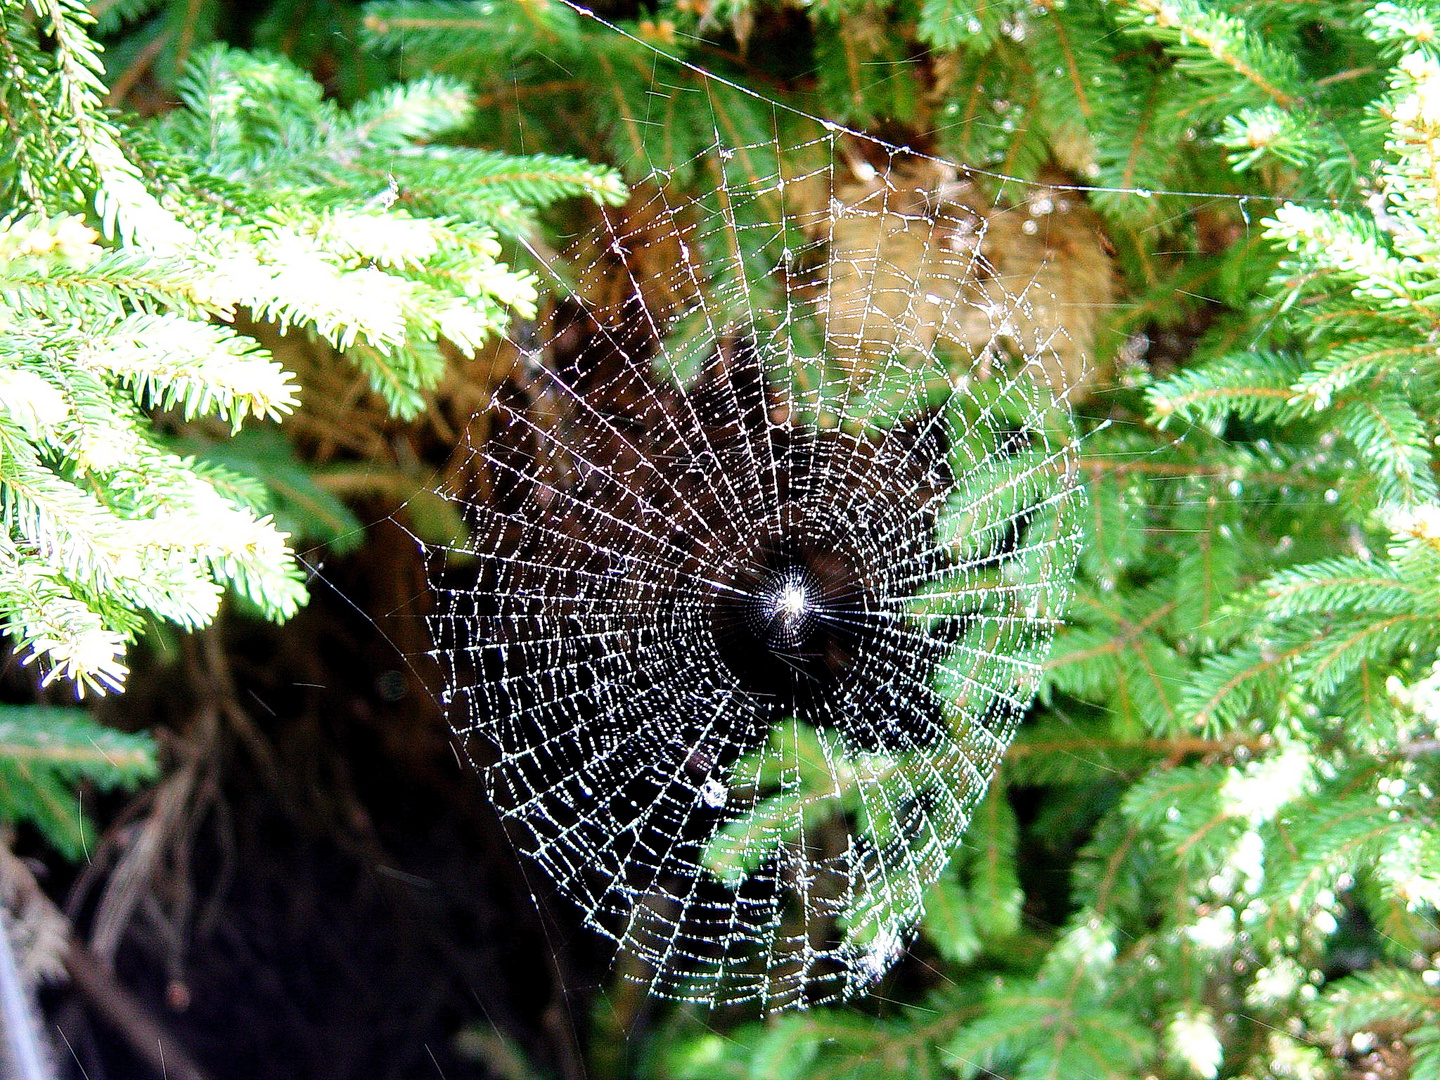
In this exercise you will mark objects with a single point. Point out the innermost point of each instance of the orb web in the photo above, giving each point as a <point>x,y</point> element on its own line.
<point>779,516</point>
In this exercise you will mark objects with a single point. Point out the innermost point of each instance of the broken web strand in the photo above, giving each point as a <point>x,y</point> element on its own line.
<point>770,946</point>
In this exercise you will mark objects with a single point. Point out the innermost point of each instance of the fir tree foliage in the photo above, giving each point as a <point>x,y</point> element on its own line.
<point>1246,693</point>
<point>1237,734</point>
<point>1235,751</point>
<point>1235,755</point>
<point>46,752</point>
<point>256,195</point>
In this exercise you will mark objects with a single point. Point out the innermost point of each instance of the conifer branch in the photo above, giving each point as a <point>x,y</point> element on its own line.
<point>1198,37</point>
<point>270,208</point>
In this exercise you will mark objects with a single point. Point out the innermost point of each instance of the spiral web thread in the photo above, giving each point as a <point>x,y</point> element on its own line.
<point>769,563</point>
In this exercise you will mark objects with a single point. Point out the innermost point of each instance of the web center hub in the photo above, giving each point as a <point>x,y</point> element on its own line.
<point>783,610</point>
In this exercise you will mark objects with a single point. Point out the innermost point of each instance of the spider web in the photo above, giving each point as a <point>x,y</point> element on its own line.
<point>781,515</point>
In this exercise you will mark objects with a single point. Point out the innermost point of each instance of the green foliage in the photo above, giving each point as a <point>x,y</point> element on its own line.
<point>276,202</point>
<point>261,468</point>
<point>1211,850</point>
<point>45,752</point>
<point>127,250</point>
